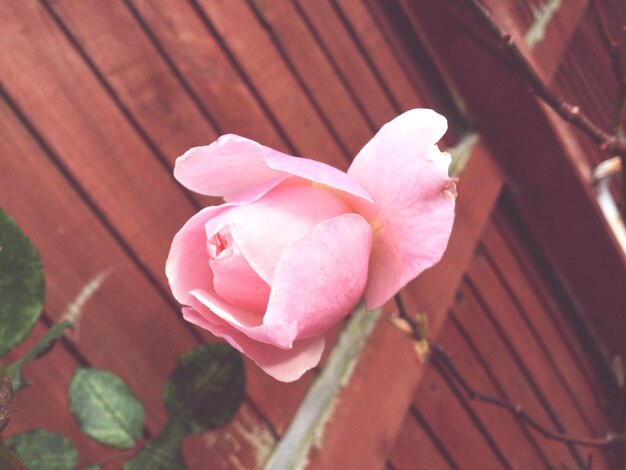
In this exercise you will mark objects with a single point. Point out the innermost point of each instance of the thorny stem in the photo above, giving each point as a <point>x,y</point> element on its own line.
<point>438,355</point>
<point>610,143</point>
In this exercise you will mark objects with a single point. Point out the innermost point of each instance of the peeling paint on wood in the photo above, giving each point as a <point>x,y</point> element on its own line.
<point>74,309</point>
<point>307,428</point>
<point>543,16</point>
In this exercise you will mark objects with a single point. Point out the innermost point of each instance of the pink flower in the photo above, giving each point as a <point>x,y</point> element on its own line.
<point>298,243</point>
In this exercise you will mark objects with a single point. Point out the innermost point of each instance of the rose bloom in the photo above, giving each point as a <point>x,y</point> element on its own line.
<point>298,243</point>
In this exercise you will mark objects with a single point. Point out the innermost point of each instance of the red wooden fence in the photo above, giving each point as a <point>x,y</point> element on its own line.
<point>97,99</point>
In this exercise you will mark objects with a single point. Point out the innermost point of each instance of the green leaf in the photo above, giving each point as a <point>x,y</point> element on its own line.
<point>206,388</point>
<point>162,453</point>
<point>41,347</point>
<point>204,392</point>
<point>21,284</point>
<point>93,466</point>
<point>44,450</point>
<point>106,408</point>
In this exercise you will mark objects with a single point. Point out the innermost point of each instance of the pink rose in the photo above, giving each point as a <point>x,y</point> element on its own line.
<point>298,243</point>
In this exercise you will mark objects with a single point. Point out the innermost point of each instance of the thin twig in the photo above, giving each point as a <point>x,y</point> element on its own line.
<point>569,112</point>
<point>438,354</point>
<point>612,144</point>
<point>617,65</point>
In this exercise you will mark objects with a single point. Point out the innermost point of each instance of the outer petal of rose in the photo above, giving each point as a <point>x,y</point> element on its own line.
<point>187,265</point>
<point>284,365</point>
<point>408,178</point>
<point>407,244</point>
<point>264,229</point>
<point>232,164</point>
<point>398,165</point>
<point>226,168</point>
<point>218,311</point>
<point>321,278</point>
<point>313,170</point>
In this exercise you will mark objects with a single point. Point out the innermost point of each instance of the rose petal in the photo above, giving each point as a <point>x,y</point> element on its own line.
<point>321,278</point>
<point>232,164</point>
<point>216,310</point>
<point>237,283</point>
<point>227,167</point>
<point>407,177</point>
<point>284,365</point>
<point>318,281</point>
<point>313,170</point>
<point>187,266</point>
<point>406,245</point>
<point>264,229</point>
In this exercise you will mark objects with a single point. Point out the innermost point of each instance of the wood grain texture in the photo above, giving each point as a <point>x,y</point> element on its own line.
<point>450,420</point>
<point>203,63</point>
<point>529,304</point>
<point>561,314</point>
<point>317,74</point>
<point>91,136</point>
<point>375,47</point>
<point>388,345</point>
<point>252,47</point>
<point>363,80</point>
<point>99,98</point>
<point>414,448</point>
<point>549,186</point>
<point>470,314</point>
<point>527,351</point>
<point>518,447</point>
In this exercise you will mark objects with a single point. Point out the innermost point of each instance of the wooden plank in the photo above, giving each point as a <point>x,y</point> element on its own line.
<point>556,35</point>
<point>373,380</point>
<point>515,442</point>
<point>547,35</point>
<point>318,75</point>
<point>126,61</point>
<point>277,401</point>
<point>449,420</point>
<point>415,448</point>
<point>127,327</point>
<point>427,77</point>
<point>564,364</point>
<point>201,63</point>
<point>534,148</point>
<point>562,409</point>
<point>349,61</point>
<point>558,316</point>
<point>503,370</point>
<point>138,77</point>
<point>251,46</point>
<point>244,443</point>
<point>369,398</point>
<point>585,77</point>
<point>303,436</point>
<point>44,403</point>
<point>117,317</point>
<point>92,138</point>
<point>371,40</point>
<point>124,56</point>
